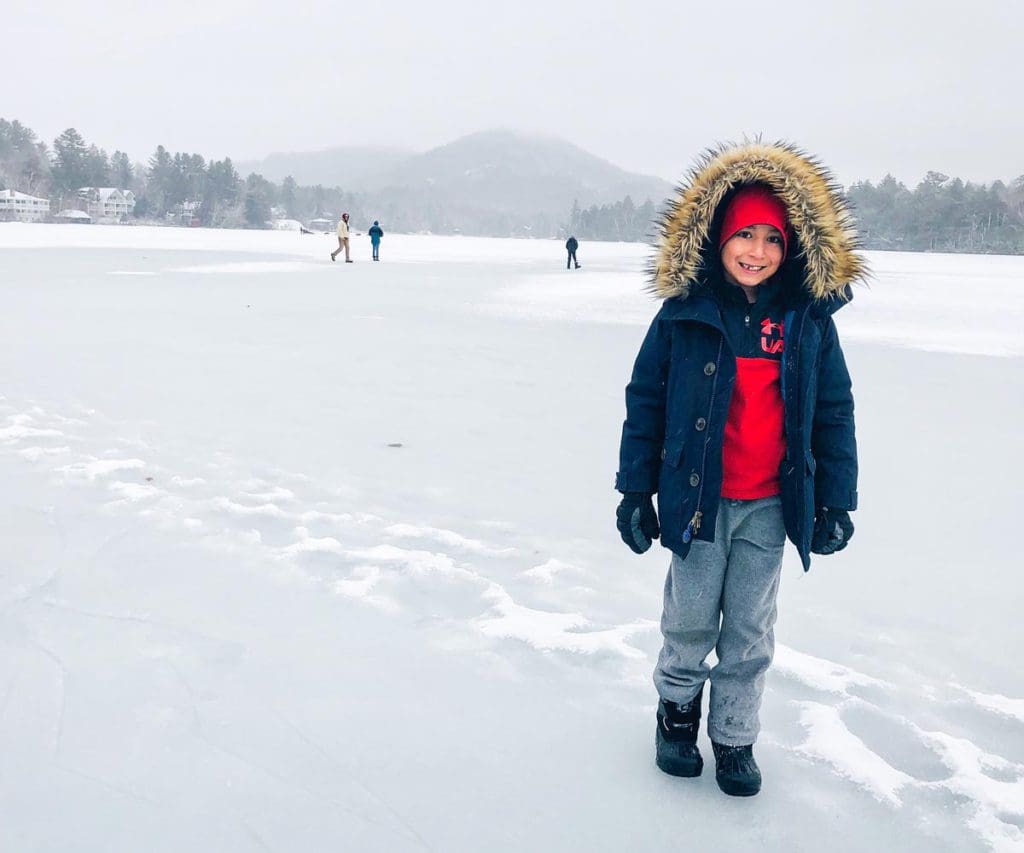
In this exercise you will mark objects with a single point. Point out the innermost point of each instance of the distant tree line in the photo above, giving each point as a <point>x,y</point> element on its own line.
<point>180,187</point>
<point>622,220</point>
<point>939,214</point>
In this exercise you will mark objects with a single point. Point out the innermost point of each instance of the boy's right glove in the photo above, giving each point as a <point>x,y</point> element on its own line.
<point>637,521</point>
<point>832,530</point>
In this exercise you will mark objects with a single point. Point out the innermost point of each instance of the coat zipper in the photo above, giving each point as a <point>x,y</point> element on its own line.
<point>802,315</point>
<point>694,524</point>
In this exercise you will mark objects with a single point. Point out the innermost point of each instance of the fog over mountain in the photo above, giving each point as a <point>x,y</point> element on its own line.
<point>340,165</point>
<point>501,169</point>
<point>492,182</point>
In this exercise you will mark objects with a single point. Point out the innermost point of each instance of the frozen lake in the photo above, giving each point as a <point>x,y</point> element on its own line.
<point>312,556</point>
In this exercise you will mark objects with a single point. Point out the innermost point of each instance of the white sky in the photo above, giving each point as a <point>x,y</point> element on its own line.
<point>868,86</point>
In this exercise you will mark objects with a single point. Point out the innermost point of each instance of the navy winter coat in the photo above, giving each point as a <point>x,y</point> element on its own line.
<point>678,399</point>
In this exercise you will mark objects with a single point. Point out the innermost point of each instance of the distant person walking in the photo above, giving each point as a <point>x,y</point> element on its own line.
<point>571,245</point>
<point>342,239</point>
<point>375,232</point>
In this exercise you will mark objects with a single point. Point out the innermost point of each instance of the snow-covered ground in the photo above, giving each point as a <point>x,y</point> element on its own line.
<point>302,556</point>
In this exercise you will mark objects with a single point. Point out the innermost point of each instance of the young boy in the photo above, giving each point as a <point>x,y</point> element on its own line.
<point>740,418</point>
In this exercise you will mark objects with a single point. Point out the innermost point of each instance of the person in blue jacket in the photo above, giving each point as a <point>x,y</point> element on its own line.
<point>375,232</point>
<point>571,245</point>
<point>739,416</point>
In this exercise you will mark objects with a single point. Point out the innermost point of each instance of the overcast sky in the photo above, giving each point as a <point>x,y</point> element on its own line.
<point>869,86</point>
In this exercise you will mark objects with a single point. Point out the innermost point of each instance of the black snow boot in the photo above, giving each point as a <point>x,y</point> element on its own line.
<point>736,771</point>
<point>676,740</point>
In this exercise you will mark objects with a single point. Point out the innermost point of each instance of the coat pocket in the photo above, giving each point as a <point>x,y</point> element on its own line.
<point>798,500</point>
<point>674,498</point>
<point>672,452</point>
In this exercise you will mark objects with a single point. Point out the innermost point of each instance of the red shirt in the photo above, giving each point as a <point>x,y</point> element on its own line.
<point>755,439</point>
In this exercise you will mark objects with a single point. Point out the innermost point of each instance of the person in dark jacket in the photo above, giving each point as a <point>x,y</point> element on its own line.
<point>571,245</point>
<point>375,232</point>
<point>739,416</point>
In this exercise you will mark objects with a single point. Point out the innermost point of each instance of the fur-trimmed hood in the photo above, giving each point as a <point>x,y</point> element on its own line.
<point>824,257</point>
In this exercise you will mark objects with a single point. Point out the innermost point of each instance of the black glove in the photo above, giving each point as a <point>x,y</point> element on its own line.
<point>832,530</point>
<point>637,521</point>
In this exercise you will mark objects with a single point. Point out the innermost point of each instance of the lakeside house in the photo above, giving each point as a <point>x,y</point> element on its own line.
<point>107,203</point>
<point>22,207</point>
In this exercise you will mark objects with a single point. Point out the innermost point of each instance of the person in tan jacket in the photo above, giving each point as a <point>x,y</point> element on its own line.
<point>342,239</point>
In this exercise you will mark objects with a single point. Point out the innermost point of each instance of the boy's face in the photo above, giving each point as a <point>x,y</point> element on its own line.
<point>752,255</point>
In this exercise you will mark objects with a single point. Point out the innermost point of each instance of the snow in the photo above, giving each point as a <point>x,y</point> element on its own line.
<point>829,740</point>
<point>309,556</point>
<point>1013,708</point>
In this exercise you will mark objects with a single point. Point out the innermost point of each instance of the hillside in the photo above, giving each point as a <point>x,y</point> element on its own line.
<point>515,171</point>
<point>495,182</point>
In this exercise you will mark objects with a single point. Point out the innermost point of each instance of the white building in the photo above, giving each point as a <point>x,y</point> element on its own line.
<point>23,207</point>
<point>108,203</point>
<point>74,217</point>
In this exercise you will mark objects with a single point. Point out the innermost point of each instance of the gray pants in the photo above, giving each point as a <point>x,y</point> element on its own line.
<point>722,597</point>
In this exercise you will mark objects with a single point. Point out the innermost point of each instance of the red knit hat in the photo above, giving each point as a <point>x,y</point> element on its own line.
<point>754,205</point>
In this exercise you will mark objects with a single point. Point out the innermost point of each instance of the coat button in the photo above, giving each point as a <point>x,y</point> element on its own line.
<point>694,479</point>
<point>663,453</point>
<point>709,368</point>
<point>701,424</point>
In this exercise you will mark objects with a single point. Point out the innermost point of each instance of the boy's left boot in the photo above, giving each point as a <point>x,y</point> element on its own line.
<point>676,750</point>
<point>736,771</point>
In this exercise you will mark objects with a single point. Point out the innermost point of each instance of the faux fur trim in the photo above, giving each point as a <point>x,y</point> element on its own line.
<point>818,215</point>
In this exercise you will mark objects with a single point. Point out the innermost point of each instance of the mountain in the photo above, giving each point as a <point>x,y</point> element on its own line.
<point>504,182</point>
<point>338,166</point>
<point>496,182</point>
<point>510,169</point>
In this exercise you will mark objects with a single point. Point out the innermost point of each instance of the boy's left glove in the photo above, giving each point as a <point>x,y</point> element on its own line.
<point>637,521</point>
<point>832,530</point>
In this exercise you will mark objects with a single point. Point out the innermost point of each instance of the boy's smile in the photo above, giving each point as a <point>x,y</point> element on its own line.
<point>752,256</point>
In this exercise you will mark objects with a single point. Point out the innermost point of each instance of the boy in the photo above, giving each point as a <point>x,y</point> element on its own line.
<point>740,418</point>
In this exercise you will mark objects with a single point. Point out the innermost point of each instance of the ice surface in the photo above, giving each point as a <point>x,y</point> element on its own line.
<point>313,556</point>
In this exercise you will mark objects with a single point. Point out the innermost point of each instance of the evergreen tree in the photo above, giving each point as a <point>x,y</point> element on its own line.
<point>96,168</point>
<point>121,170</point>
<point>259,198</point>
<point>194,177</point>
<point>159,176</point>
<point>574,217</point>
<point>24,160</point>
<point>223,182</point>
<point>288,188</point>
<point>70,169</point>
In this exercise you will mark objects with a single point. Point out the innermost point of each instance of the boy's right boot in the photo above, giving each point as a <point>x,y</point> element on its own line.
<point>676,740</point>
<point>736,771</point>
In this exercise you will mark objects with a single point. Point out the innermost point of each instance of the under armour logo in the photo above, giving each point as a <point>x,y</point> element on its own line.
<point>771,337</point>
